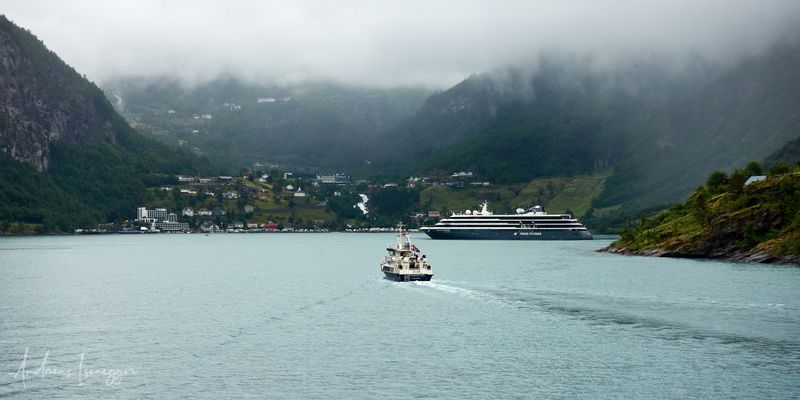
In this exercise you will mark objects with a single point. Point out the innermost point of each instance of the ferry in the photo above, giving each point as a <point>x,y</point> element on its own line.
<point>531,224</point>
<point>405,263</point>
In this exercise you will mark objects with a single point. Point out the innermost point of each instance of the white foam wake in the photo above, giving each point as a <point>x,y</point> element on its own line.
<point>466,293</point>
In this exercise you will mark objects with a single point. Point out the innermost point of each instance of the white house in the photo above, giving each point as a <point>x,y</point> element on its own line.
<point>755,178</point>
<point>299,193</point>
<point>187,212</point>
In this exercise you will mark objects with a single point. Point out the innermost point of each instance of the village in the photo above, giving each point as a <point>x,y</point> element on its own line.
<point>281,201</point>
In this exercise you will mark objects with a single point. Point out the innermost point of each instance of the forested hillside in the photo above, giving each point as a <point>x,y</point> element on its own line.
<point>727,218</point>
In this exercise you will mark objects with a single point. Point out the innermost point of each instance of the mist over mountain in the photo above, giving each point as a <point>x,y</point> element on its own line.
<point>387,44</point>
<point>661,128</point>
<point>321,126</point>
<point>660,124</point>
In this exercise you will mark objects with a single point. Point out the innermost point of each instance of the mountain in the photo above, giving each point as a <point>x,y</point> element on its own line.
<point>68,158</point>
<point>727,219</point>
<point>655,127</point>
<point>661,127</point>
<point>742,113</point>
<point>789,153</point>
<point>320,126</point>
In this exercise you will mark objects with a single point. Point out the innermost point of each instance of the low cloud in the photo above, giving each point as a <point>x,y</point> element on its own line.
<point>392,43</point>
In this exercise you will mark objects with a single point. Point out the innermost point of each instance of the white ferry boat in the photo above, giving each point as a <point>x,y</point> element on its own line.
<point>405,263</point>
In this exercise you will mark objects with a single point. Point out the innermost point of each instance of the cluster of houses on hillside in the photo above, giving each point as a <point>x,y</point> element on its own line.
<point>235,188</point>
<point>161,220</point>
<point>457,180</point>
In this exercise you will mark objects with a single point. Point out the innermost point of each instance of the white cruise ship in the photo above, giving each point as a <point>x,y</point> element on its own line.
<point>531,224</point>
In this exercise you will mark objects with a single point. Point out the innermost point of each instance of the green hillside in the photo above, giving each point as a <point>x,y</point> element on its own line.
<point>558,195</point>
<point>727,219</point>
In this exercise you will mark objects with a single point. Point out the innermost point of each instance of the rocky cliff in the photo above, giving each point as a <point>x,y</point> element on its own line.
<point>67,159</point>
<point>43,100</point>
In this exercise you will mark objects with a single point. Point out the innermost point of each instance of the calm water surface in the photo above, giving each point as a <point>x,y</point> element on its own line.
<point>309,316</point>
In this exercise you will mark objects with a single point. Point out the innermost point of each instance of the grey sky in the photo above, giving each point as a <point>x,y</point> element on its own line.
<point>385,43</point>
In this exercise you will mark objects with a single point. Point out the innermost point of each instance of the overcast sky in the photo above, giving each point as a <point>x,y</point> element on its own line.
<point>385,43</point>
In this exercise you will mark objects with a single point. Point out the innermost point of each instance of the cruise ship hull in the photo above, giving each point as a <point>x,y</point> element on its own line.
<point>508,234</point>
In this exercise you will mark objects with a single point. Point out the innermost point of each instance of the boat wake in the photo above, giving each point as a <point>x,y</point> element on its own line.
<point>641,315</point>
<point>471,294</point>
<point>602,311</point>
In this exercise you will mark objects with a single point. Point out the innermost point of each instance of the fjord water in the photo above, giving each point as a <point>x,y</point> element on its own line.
<point>309,316</point>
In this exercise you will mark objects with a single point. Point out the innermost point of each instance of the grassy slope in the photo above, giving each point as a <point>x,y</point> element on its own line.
<point>573,194</point>
<point>556,194</point>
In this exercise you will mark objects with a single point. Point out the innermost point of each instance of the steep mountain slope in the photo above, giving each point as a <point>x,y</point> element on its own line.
<point>314,125</point>
<point>789,153</point>
<point>89,166</point>
<point>44,101</point>
<point>744,113</point>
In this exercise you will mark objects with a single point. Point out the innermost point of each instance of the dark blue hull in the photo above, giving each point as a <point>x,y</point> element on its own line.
<point>508,234</point>
<point>411,277</point>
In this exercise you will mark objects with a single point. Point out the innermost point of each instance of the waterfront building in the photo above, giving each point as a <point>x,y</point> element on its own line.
<point>160,219</point>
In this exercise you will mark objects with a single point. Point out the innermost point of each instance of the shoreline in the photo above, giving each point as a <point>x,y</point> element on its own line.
<point>381,230</point>
<point>738,257</point>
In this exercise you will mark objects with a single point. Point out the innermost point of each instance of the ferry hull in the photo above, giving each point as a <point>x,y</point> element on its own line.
<point>411,277</point>
<point>507,234</point>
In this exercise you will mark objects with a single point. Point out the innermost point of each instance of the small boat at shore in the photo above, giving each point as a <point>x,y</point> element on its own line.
<point>405,263</point>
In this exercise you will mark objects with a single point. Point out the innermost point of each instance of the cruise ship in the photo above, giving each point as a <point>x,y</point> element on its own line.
<point>531,224</point>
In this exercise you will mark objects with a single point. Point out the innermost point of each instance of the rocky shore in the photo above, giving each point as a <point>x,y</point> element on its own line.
<point>745,257</point>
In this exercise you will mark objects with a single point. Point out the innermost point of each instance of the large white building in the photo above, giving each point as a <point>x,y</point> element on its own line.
<point>335,179</point>
<point>160,219</point>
